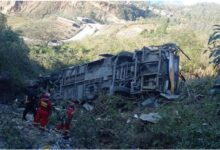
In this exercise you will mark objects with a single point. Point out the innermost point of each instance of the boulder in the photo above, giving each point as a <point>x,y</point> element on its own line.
<point>150,102</point>
<point>151,117</point>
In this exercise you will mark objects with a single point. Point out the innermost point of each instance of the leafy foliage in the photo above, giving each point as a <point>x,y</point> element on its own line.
<point>131,12</point>
<point>214,45</point>
<point>14,57</point>
<point>190,123</point>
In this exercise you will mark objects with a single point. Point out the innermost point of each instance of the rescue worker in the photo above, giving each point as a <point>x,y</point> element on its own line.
<point>43,111</point>
<point>64,120</point>
<point>30,101</point>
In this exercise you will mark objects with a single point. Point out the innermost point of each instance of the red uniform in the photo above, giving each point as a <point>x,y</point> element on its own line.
<point>43,112</point>
<point>65,121</point>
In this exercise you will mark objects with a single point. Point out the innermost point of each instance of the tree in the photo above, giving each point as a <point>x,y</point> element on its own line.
<point>3,21</point>
<point>214,46</point>
<point>14,60</point>
<point>162,29</point>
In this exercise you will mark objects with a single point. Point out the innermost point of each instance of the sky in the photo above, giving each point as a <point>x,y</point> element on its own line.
<point>187,2</point>
<point>190,2</point>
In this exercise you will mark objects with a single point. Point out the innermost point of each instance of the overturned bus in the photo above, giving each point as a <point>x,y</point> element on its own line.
<point>153,69</point>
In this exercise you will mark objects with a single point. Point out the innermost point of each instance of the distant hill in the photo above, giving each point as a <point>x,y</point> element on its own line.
<point>40,20</point>
<point>116,26</point>
<point>200,17</point>
<point>101,11</point>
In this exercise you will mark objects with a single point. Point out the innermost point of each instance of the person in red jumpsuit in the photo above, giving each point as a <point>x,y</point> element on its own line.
<point>43,111</point>
<point>65,120</point>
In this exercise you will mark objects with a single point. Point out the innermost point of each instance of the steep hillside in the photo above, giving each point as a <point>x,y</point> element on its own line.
<point>100,11</point>
<point>61,21</point>
<point>32,19</point>
<point>82,31</point>
<point>15,64</point>
<point>38,20</point>
<point>115,123</point>
<point>44,29</point>
<point>198,17</point>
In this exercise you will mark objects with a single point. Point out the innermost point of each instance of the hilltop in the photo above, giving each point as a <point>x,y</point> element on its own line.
<point>61,20</point>
<point>101,11</point>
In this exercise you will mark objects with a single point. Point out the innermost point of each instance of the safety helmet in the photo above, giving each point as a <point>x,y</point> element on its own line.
<point>72,106</point>
<point>47,95</point>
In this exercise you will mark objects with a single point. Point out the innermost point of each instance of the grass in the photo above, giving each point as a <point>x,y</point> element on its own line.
<point>187,123</point>
<point>192,126</point>
<point>191,122</point>
<point>40,29</point>
<point>89,49</point>
<point>157,31</point>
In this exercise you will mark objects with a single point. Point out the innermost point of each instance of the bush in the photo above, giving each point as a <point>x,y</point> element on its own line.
<point>14,58</point>
<point>13,139</point>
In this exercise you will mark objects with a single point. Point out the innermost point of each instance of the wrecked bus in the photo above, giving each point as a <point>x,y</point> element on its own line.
<point>153,69</point>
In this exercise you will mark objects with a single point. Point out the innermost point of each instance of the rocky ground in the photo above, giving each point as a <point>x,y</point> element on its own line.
<point>15,133</point>
<point>117,122</point>
<point>100,125</point>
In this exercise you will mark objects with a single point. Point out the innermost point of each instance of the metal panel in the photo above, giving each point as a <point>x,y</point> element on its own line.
<point>80,92</point>
<point>145,70</point>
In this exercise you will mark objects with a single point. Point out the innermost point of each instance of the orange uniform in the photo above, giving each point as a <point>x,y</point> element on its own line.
<point>44,111</point>
<point>65,121</point>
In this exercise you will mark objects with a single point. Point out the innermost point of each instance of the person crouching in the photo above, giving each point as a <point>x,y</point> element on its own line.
<point>65,121</point>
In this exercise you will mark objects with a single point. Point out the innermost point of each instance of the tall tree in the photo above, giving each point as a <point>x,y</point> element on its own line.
<point>15,65</point>
<point>214,46</point>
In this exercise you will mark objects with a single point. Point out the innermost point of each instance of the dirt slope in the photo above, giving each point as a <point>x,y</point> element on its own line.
<point>15,133</point>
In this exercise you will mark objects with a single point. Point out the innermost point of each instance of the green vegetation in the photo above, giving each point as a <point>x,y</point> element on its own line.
<point>131,12</point>
<point>39,31</point>
<point>214,42</point>
<point>58,57</point>
<point>115,40</point>
<point>191,122</point>
<point>188,28</point>
<point>15,64</point>
<point>96,10</point>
